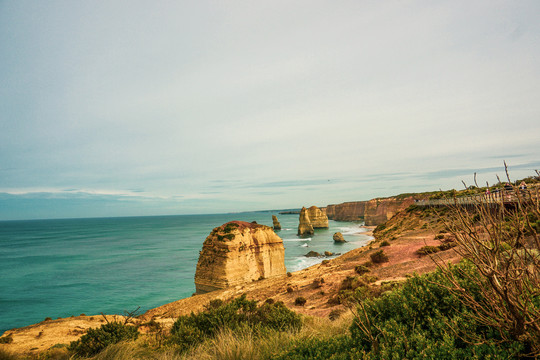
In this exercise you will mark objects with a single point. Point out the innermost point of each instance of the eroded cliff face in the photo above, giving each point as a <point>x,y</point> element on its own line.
<point>318,217</point>
<point>348,211</point>
<point>373,212</point>
<point>304,225</point>
<point>378,211</point>
<point>238,253</point>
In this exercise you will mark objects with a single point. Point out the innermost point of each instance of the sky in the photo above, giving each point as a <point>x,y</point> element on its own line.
<point>132,108</point>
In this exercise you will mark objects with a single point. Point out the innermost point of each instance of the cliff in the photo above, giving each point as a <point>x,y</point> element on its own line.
<point>378,211</point>
<point>348,211</point>
<point>238,253</point>
<point>304,225</point>
<point>373,212</point>
<point>318,217</point>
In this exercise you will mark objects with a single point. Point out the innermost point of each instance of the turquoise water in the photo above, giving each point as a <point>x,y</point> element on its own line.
<point>59,268</point>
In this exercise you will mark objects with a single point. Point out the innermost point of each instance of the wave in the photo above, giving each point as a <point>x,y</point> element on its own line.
<point>304,245</point>
<point>302,262</point>
<point>352,230</point>
<point>298,239</point>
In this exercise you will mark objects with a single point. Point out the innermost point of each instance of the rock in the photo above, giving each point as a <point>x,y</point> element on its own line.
<point>304,226</point>
<point>277,225</point>
<point>318,217</point>
<point>238,253</point>
<point>312,254</point>
<point>349,211</point>
<point>338,237</point>
<point>373,212</point>
<point>328,253</point>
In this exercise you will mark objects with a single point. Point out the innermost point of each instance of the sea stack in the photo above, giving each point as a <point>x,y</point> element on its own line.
<point>338,237</point>
<point>318,217</point>
<point>238,253</point>
<point>277,225</point>
<point>304,226</point>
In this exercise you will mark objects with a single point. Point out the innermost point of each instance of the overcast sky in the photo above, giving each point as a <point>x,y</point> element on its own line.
<point>120,108</point>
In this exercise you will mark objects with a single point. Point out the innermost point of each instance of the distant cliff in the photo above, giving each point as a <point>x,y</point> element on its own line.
<point>373,212</point>
<point>238,253</point>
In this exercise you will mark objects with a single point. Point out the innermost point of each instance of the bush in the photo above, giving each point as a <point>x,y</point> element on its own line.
<point>425,250</point>
<point>423,319</point>
<point>384,243</point>
<point>95,340</point>
<point>235,315</point>
<point>300,301</point>
<point>379,257</point>
<point>8,339</point>
<point>335,314</point>
<point>361,269</point>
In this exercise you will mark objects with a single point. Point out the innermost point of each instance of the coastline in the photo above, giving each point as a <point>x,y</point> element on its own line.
<point>403,262</point>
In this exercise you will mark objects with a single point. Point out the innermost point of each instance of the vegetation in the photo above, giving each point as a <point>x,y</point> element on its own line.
<point>234,316</point>
<point>95,340</point>
<point>379,257</point>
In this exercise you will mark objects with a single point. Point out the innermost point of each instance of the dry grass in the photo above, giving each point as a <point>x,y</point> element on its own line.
<point>229,345</point>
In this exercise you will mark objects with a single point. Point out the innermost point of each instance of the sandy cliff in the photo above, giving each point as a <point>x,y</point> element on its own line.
<point>373,212</point>
<point>238,253</point>
<point>318,217</point>
<point>304,225</point>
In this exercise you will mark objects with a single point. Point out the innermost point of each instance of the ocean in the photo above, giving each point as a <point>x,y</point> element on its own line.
<point>60,268</point>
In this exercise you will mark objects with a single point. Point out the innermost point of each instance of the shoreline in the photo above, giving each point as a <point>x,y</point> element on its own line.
<point>403,261</point>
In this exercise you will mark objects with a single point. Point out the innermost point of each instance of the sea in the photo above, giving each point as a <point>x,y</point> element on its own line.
<point>61,268</point>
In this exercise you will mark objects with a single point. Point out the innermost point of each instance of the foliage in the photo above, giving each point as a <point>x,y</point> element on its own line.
<point>300,301</point>
<point>8,339</point>
<point>384,243</point>
<point>379,257</point>
<point>97,339</point>
<point>361,269</point>
<point>235,315</point>
<point>425,250</point>
<point>503,243</point>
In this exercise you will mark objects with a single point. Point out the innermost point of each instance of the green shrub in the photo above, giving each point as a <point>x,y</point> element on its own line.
<point>300,301</point>
<point>425,250</point>
<point>384,243</point>
<point>235,315</point>
<point>361,269</point>
<point>379,257</point>
<point>95,340</point>
<point>422,319</point>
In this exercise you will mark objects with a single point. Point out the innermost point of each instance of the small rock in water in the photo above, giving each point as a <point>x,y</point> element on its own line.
<point>338,237</point>
<point>312,254</point>
<point>328,253</point>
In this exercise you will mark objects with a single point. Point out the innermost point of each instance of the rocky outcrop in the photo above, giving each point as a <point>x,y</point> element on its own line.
<point>304,225</point>
<point>378,211</point>
<point>373,212</point>
<point>277,225</point>
<point>318,217</point>
<point>338,237</point>
<point>349,211</point>
<point>237,253</point>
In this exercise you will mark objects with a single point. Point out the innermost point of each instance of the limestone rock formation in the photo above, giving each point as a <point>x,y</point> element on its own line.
<point>338,237</point>
<point>312,254</point>
<point>349,211</point>
<point>277,225</point>
<point>237,253</point>
<point>318,217</point>
<point>304,226</point>
<point>378,211</point>
<point>373,212</point>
